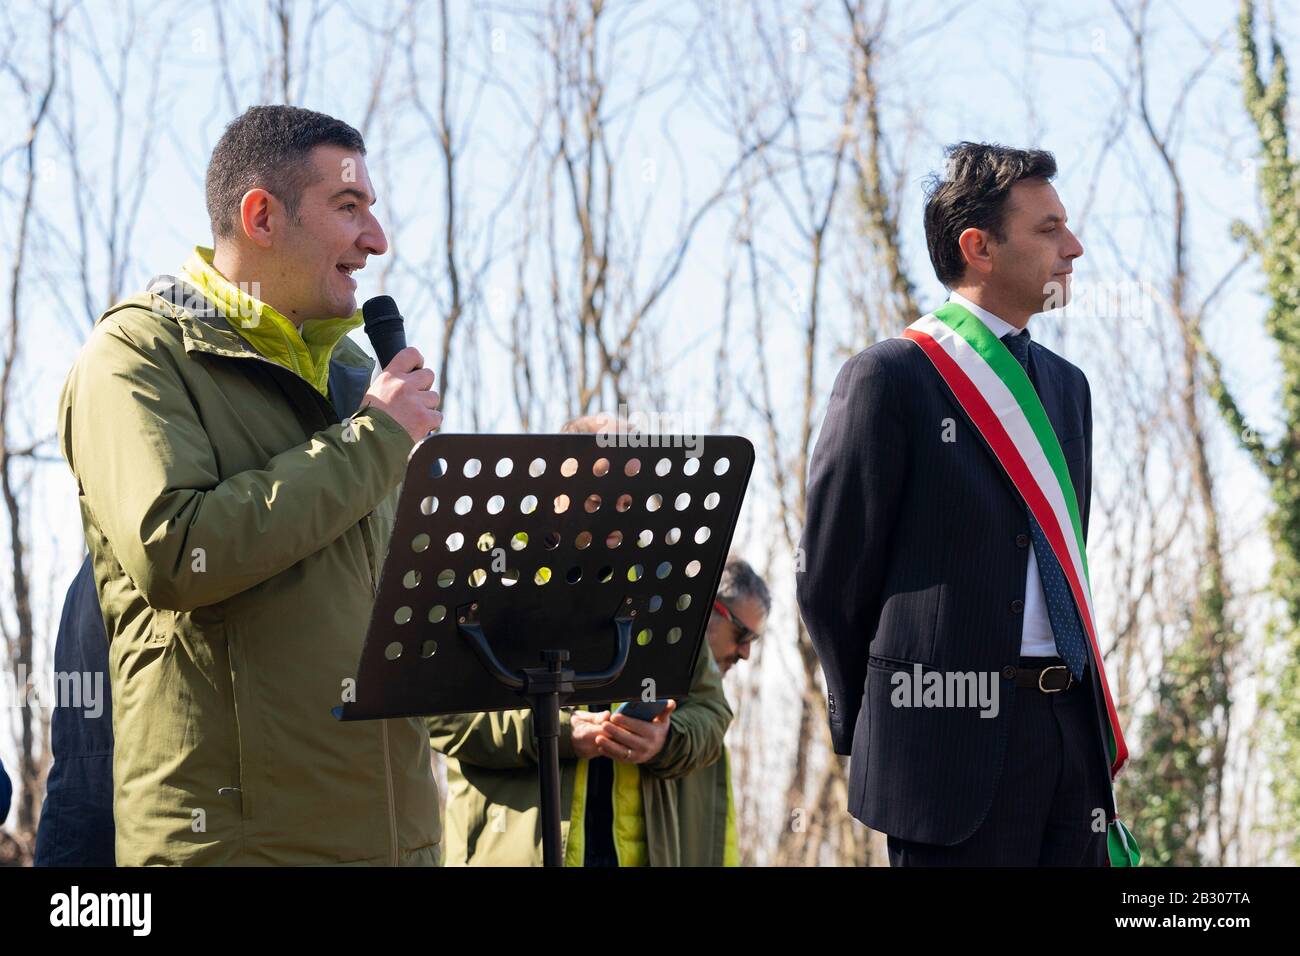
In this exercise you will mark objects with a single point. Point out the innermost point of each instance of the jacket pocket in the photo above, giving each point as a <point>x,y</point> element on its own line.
<point>909,626</point>
<point>896,664</point>
<point>245,719</point>
<point>162,627</point>
<point>381,523</point>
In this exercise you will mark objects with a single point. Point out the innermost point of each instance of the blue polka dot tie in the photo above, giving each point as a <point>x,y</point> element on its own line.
<point>1061,610</point>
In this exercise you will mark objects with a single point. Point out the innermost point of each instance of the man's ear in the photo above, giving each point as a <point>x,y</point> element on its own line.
<point>974,245</point>
<point>258,212</point>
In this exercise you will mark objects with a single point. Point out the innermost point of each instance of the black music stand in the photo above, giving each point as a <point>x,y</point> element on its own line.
<point>598,555</point>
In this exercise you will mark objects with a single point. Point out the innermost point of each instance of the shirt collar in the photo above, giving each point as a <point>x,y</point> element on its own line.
<point>998,327</point>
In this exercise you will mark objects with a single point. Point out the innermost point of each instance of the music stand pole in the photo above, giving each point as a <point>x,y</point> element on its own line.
<point>544,699</point>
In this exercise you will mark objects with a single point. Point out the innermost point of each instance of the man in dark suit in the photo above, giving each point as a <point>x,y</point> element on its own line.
<point>923,566</point>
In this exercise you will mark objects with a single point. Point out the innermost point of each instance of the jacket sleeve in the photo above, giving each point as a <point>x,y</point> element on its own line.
<point>148,474</point>
<point>499,740</point>
<point>854,489</point>
<point>698,725</point>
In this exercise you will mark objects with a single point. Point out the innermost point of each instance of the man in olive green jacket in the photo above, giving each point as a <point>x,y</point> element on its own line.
<point>492,791</point>
<point>236,503</point>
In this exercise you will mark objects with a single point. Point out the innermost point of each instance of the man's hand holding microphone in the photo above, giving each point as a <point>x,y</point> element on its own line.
<point>404,389</point>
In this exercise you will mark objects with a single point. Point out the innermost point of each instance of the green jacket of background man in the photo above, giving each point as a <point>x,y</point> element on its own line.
<point>674,810</point>
<point>237,529</point>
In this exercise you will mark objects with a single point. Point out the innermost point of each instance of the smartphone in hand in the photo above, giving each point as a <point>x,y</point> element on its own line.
<point>642,709</point>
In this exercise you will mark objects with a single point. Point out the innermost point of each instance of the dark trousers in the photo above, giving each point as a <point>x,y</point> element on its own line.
<point>1052,792</point>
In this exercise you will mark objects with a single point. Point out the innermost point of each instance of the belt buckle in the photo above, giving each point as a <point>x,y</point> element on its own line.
<point>1069,679</point>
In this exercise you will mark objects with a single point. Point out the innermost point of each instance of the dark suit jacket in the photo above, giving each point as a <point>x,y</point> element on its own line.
<point>915,551</point>
<point>76,826</point>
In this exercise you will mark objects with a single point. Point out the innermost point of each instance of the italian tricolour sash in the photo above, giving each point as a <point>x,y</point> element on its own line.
<point>994,390</point>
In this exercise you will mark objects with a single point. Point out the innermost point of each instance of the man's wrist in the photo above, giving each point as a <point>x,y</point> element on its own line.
<point>383,421</point>
<point>663,748</point>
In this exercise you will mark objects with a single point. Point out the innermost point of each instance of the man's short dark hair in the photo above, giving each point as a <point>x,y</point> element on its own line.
<point>268,147</point>
<point>971,195</point>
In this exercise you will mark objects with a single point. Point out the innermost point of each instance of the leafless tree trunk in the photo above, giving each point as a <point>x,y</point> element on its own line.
<point>604,284</point>
<point>38,94</point>
<point>1194,700</point>
<point>806,178</point>
<point>879,206</point>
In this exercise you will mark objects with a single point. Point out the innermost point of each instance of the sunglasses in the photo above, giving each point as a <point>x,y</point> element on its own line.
<point>746,636</point>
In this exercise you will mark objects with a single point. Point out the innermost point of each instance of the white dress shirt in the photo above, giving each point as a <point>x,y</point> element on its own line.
<point>1036,638</point>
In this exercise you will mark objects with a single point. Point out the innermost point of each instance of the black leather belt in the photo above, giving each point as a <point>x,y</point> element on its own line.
<point>1049,677</point>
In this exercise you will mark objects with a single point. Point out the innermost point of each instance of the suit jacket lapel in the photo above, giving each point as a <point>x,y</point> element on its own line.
<point>1049,388</point>
<point>1056,402</point>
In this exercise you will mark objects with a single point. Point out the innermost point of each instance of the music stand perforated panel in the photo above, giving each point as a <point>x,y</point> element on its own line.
<point>548,534</point>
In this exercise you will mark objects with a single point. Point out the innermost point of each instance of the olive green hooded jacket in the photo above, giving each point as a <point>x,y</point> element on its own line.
<point>674,810</point>
<point>236,527</point>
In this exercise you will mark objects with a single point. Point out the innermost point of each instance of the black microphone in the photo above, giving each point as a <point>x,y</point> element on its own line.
<point>384,327</point>
<point>387,333</point>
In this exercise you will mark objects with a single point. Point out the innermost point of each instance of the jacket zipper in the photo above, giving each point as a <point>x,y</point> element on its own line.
<point>367,527</point>
<point>388,780</point>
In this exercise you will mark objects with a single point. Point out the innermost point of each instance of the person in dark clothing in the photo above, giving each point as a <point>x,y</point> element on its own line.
<point>76,825</point>
<point>926,559</point>
<point>6,793</point>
